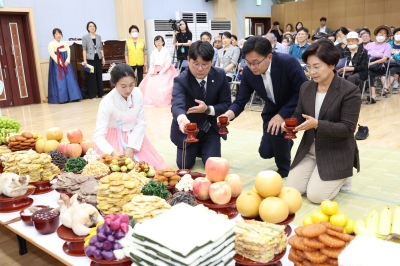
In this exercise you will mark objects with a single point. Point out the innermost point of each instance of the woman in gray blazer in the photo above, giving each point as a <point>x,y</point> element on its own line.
<point>93,55</point>
<point>327,111</point>
<point>228,56</point>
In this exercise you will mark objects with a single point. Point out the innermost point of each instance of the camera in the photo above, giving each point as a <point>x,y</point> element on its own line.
<point>175,25</point>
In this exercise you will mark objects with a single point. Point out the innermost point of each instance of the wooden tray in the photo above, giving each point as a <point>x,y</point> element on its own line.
<point>74,243</point>
<point>124,262</point>
<point>244,261</point>
<point>228,209</point>
<point>42,187</point>
<point>19,203</point>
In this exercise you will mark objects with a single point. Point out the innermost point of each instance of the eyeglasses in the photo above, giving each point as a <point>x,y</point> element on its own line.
<point>198,65</point>
<point>255,64</point>
<point>310,68</point>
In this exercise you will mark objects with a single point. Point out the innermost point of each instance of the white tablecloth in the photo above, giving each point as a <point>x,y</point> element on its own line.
<point>52,244</point>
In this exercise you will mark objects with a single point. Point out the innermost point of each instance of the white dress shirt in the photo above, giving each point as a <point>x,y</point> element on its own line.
<point>322,29</point>
<point>268,83</point>
<point>113,108</point>
<point>212,111</point>
<point>160,58</point>
<point>319,99</point>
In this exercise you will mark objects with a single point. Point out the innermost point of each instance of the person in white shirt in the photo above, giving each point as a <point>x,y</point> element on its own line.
<point>120,126</point>
<point>276,46</point>
<point>157,86</point>
<point>323,28</point>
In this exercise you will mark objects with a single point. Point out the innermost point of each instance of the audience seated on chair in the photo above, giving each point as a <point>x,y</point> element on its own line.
<point>298,48</point>
<point>341,39</point>
<point>356,69</point>
<point>395,58</point>
<point>379,52</point>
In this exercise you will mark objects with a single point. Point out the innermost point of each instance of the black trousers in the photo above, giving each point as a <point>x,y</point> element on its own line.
<point>95,80</point>
<point>278,147</point>
<point>209,145</point>
<point>139,74</point>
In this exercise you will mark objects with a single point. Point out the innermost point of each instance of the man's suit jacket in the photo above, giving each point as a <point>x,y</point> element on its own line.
<point>88,46</point>
<point>335,147</point>
<point>287,77</point>
<point>187,89</point>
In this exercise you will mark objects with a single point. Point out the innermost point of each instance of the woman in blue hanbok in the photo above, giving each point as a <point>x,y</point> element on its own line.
<point>62,86</point>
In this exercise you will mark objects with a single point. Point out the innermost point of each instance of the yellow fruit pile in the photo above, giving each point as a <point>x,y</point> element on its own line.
<point>330,213</point>
<point>268,199</point>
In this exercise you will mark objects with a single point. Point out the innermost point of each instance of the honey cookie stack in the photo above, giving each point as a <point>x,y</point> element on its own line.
<point>318,244</point>
<point>117,189</point>
<point>167,176</point>
<point>25,141</point>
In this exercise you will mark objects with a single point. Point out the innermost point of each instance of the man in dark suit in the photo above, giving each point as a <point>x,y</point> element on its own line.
<point>276,78</point>
<point>200,94</point>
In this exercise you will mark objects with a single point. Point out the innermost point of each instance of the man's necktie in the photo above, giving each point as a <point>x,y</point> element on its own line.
<point>206,126</point>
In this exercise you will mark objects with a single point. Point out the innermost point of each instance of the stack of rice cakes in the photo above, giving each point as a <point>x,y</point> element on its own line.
<point>259,241</point>
<point>117,189</point>
<point>37,166</point>
<point>184,235</point>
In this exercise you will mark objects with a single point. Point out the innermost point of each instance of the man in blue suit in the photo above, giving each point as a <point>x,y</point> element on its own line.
<point>277,79</point>
<point>201,93</point>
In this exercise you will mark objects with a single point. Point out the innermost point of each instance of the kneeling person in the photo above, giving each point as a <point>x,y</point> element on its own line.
<point>201,93</point>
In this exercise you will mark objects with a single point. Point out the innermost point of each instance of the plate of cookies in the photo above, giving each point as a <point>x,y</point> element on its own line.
<point>318,244</point>
<point>169,177</point>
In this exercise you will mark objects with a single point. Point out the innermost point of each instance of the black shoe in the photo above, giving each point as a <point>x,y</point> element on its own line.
<point>362,133</point>
<point>371,100</point>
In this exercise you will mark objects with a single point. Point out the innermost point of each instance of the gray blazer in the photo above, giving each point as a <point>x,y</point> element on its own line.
<point>231,56</point>
<point>335,147</point>
<point>88,46</point>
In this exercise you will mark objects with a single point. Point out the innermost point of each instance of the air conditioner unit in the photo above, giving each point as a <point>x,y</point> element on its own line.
<point>156,27</point>
<point>217,27</point>
<point>201,24</point>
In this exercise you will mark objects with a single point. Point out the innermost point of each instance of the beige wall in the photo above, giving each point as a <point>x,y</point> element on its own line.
<point>351,14</point>
<point>129,12</point>
<point>226,10</point>
<point>44,66</point>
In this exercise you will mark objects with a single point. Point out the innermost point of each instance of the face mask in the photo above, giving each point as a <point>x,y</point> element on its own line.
<point>135,34</point>
<point>285,44</point>
<point>397,37</point>
<point>352,46</point>
<point>380,38</point>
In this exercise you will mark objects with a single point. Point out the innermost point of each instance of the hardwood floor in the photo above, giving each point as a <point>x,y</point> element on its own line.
<point>383,120</point>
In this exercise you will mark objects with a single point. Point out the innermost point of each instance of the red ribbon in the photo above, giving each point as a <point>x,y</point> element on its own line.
<point>62,63</point>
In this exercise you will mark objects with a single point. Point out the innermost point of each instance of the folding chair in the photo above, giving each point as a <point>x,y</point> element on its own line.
<point>369,83</point>
<point>342,64</point>
<point>252,100</point>
<point>184,64</point>
<point>387,65</point>
<point>235,81</point>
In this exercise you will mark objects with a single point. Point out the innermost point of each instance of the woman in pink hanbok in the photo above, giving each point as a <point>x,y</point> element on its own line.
<point>157,85</point>
<point>120,127</point>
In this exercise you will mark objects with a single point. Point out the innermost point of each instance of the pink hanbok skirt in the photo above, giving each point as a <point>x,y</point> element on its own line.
<point>147,152</point>
<point>157,90</point>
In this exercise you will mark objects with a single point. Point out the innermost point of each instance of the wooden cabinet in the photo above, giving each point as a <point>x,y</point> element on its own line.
<point>114,52</point>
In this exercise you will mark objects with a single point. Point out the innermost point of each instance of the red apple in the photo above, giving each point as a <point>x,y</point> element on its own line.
<point>75,136</point>
<point>74,150</point>
<point>201,186</point>
<point>62,147</point>
<point>220,192</point>
<point>235,182</point>
<point>216,169</point>
<point>86,145</point>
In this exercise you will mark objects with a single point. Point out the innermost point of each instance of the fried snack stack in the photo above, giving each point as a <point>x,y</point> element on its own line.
<point>143,208</point>
<point>117,189</point>
<point>95,168</point>
<point>259,241</point>
<point>4,150</point>
<point>37,166</point>
<point>25,141</point>
<point>318,244</point>
<point>167,176</point>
